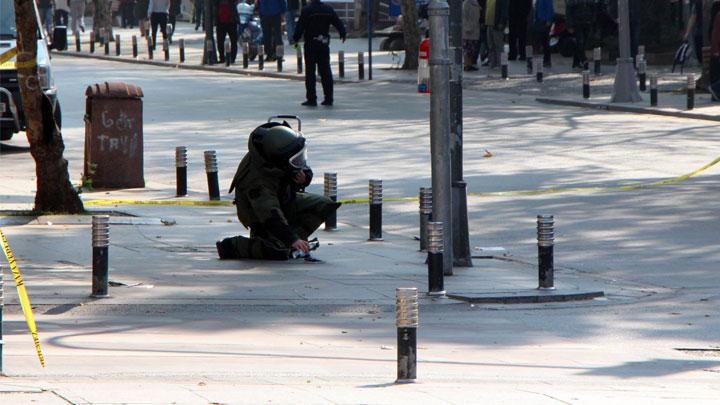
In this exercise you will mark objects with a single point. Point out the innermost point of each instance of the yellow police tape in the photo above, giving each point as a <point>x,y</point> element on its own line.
<point>483,194</point>
<point>6,56</point>
<point>24,300</point>
<point>6,62</point>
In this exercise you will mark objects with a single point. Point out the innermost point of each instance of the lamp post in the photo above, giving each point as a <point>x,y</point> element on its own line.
<point>625,89</point>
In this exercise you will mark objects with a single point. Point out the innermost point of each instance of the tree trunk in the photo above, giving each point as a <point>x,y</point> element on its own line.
<point>411,33</point>
<point>102,19</point>
<point>54,193</point>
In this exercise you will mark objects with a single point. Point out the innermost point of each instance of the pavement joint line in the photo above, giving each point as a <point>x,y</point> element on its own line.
<point>627,109</point>
<point>519,193</point>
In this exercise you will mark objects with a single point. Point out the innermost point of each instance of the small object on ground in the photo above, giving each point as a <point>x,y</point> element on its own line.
<point>487,154</point>
<point>168,221</point>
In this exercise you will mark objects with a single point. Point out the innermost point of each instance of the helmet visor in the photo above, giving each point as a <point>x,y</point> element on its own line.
<point>298,160</point>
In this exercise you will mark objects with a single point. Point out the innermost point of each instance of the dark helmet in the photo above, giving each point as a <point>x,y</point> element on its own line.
<point>280,145</point>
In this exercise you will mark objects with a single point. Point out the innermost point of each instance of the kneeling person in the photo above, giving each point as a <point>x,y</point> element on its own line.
<point>270,197</point>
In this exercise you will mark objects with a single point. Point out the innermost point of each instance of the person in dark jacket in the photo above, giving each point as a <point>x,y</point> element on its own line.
<point>269,195</point>
<point>518,23</point>
<point>314,27</point>
<point>496,20</point>
<point>271,12</point>
<point>226,23</point>
<point>543,15</point>
<point>580,18</point>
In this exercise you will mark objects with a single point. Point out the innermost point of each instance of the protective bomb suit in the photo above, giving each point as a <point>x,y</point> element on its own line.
<point>269,194</point>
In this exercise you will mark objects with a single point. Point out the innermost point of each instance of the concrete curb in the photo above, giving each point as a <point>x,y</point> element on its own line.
<point>628,109</point>
<point>538,297</point>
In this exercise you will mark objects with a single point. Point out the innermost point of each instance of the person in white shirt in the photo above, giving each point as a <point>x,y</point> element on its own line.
<point>77,16</point>
<point>158,10</point>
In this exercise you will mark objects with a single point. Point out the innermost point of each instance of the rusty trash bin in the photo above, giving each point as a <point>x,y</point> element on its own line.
<point>114,136</point>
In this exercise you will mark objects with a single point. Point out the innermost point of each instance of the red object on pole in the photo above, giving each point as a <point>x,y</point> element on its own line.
<point>423,78</point>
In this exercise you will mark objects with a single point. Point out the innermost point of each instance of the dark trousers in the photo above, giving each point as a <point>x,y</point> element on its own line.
<point>198,16</point>
<point>318,55</point>
<point>541,43</point>
<point>160,19</point>
<point>582,35</point>
<point>272,33</point>
<point>127,14</point>
<point>517,36</point>
<point>229,29</point>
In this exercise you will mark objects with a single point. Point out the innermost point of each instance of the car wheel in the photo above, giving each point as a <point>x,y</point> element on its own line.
<point>6,134</point>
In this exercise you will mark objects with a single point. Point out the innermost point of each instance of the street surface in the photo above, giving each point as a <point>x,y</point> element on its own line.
<point>184,327</point>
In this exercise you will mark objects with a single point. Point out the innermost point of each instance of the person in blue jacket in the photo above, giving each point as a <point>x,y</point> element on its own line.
<point>271,12</point>
<point>543,15</point>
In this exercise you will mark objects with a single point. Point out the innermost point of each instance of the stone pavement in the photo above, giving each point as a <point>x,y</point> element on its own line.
<point>184,327</point>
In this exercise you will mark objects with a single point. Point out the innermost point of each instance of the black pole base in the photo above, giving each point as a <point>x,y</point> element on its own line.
<point>181,176</point>
<point>529,65</point>
<point>586,91</point>
<point>436,279</point>
<point>375,223</point>
<point>504,72</point>
<point>100,272</point>
<point>246,61</point>
<point>546,268</point>
<point>406,355</point>
<point>182,55</point>
<point>691,99</point>
<point>213,186</point>
<point>643,82</point>
<point>539,77</point>
<point>331,220</point>
<point>598,68</point>
<point>361,71</point>
<point>653,98</point>
<point>341,70</point>
<point>135,51</point>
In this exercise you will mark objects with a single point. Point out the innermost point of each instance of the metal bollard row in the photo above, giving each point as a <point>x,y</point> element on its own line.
<point>280,54</point>
<point>181,50</point>
<point>134,46</point>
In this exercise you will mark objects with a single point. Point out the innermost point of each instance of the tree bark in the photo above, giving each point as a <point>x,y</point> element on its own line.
<point>54,193</point>
<point>102,19</point>
<point>411,33</point>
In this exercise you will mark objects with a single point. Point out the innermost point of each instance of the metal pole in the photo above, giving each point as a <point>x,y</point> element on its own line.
<point>107,46</point>
<point>181,50</point>
<point>134,46</point>
<point>504,65</point>
<point>166,50</point>
<point>261,57</point>
<point>246,54</point>
<point>92,42</point>
<point>149,48</point>
<point>546,242</point>
<point>361,66</point>
<point>538,70</point>
<point>299,56</point>
<point>625,89</point>
<point>653,90</point>
<point>78,48</point>
<point>330,188</point>
<point>529,59</point>
<point>227,53</point>
<point>341,64</point>
<point>642,74</point>
<point>691,91</point>
<point>438,12</point>
<point>280,54</point>
<point>117,45</point>
<point>586,84</point>
<point>375,204</point>
<point>100,243</point>
<point>407,316</point>
<point>211,169</point>
<point>181,170</point>
<point>436,282</point>
<point>425,198</point>
<point>597,59</point>
<point>370,28</point>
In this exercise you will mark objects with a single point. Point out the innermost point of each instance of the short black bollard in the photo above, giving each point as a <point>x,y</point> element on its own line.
<point>134,47</point>
<point>117,45</point>
<point>181,170</point>
<point>227,47</point>
<point>341,64</point>
<point>586,84</point>
<point>92,42</point>
<point>406,321</point>
<point>436,247</point>
<point>166,50</point>
<point>504,65</point>
<point>375,204</point>
<point>361,66</point>
<point>539,70</point>
<point>280,54</point>
<point>330,188</point>
<point>299,57</point>
<point>150,49</point>
<point>211,168</point>
<point>529,59</point>
<point>653,90</point>
<point>100,243</point>
<point>691,91</point>
<point>181,49</point>
<point>101,38</point>
<point>546,241</point>
<point>261,57</point>
<point>207,53</point>
<point>245,55</point>
<point>78,46</point>
<point>642,74</point>
<point>107,46</point>
<point>425,199</point>
<point>597,60</point>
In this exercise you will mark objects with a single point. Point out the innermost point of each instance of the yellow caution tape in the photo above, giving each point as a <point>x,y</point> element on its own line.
<point>24,300</point>
<point>6,61</point>
<point>483,194</point>
<point>6,56</point>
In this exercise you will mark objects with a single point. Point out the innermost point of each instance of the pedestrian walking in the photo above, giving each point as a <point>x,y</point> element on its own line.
<point>496,20</point>
<point>198,8</point>
<point>174,12</point>
<point>45,8</point>
<point>127,13</point>
<point>543,15</point>
<point>141,15</point>
<point>580,18</point>
<point>314,27</point>
<point>270,198</point>
<point>158,10</point>
<point>471,34</point>
<point>77,16</point>
<point>271,12</point>
<point>518,24</point>
<point>226,24</point>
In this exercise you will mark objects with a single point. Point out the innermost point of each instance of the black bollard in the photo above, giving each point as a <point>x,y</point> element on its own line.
<point>211,168</point>
<point>181,170</point>
<point>117,45</point>
<point>101,38</point>
<point>375,204</point>
<point>92,42</point>
<point>227,47</point>
<point>107,46</point>
<point>691,91</point>
<point>586,84</point>
<point>539,70</point>
<point>166,50</point>
<point>529,59</point>
<point>150,49</point>
<point>361,66</point>
<point>78,46</point>
<point>597,60</point>
<point>653,90</point>
<point>546,242</point>
<point>642,74</point>
<point>134,47</point>
<point>425,199</point>
<point>100,244</point>
<point>435,248</point>
<point>341,64</point>
<point>504,66</point>
<point>406,310</point>
<point>245,55</point>
<point>330,187</point>
<point>261,57</point>
<point>181,49</point>
<point>280,54</point>
<point>208,52</point>
<point>299,57</point>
